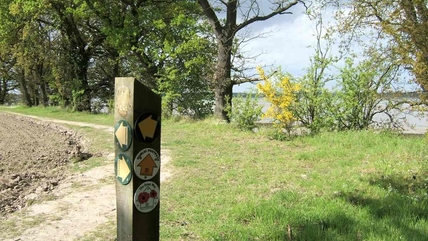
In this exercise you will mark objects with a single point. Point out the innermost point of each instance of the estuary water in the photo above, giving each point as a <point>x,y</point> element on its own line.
<point>413,122</point>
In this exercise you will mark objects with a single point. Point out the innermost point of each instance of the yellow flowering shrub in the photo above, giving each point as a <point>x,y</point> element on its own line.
<point>280,94</point>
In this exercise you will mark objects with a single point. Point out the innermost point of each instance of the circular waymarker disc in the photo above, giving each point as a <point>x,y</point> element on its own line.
<point>146,198</point>
<point>123,135</point>
<point>123,169</point>
<point>147,127</point>
<point>146,164</point>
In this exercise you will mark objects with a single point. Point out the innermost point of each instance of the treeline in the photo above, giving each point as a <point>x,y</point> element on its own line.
<point>68,52</point>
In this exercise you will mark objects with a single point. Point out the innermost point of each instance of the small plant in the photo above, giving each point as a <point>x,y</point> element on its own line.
<point>245,112</point>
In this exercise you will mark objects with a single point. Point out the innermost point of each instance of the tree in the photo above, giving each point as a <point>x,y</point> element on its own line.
<point>69,52</point>
<point>225,32</point>
<point>18,36</point>
<point>10,27</point>
<point>313,105</point>
<point>82,35</point>
<point>7,83</point>
<point>404,22</point>
<point>36,67</point>
<point>183,80</point>
<point>362,90</point>
<point>168,50</point>
<point>65,27</point>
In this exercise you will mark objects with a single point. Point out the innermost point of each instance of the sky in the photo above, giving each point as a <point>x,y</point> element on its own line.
<point>289,43</point>
<point>286,42</point>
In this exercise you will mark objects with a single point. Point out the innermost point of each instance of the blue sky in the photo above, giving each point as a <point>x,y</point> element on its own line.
<point>288,42</point>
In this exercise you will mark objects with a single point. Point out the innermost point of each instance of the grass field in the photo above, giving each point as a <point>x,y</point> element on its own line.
<point>232,185</point>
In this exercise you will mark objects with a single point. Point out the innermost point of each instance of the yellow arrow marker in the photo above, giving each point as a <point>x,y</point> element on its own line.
<point>122,135</point>
<point>122,169</point>
<point>147,165</point>
<point>148,127</point>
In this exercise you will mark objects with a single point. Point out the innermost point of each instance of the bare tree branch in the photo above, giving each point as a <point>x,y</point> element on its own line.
<point>279,10</point>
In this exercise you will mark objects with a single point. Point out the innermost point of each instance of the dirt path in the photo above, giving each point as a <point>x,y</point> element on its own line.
<point>82,202</point>
<point>75,123</point>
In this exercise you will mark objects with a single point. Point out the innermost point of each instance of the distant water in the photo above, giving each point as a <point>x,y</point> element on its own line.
<point>413,122</point>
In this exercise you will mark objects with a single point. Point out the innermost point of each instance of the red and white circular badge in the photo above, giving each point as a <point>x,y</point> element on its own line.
<point>146,198</point>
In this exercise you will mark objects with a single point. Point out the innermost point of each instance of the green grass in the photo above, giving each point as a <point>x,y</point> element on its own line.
<point>10,228</point>
<point>232,185</point>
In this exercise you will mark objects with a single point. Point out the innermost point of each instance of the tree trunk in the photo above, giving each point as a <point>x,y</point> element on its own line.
<point>24,91</point>
<point>81,71</point>
<point>84,102</point>
<point>221,101</point>
<point>3,91</point>
<point>223,84</point>
<point>41,69</point>
<point>45,98</point>
<point>225,32</point>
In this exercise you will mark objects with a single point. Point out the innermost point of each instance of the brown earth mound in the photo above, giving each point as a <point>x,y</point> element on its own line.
<point>34,158</point>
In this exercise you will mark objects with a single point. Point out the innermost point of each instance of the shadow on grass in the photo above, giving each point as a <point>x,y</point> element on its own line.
<point>398,210</point>
<point>337,226</point>
<point>401,213</point>
<point>391,207</point>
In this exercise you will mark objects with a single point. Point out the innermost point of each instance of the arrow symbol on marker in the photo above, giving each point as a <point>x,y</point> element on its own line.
<point>147,165</point>
<point>122,135</point>
<point>122,169</point>
<point>148,127</point>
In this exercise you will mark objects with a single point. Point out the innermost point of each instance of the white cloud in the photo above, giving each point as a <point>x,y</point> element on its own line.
<point>285,45</point>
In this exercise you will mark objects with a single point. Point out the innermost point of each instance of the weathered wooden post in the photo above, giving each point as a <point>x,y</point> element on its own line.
<point>137,134</point>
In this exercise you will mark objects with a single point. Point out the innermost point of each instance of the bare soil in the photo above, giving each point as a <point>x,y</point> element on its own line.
<point>40,198</point>
<point>33,159</point>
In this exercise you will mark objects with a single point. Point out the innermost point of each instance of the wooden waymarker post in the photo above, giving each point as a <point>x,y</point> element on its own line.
<point>137,134</point>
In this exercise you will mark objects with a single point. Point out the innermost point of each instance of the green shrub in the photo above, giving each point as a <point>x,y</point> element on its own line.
<point>360,97</point>
<point>245,112</point>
